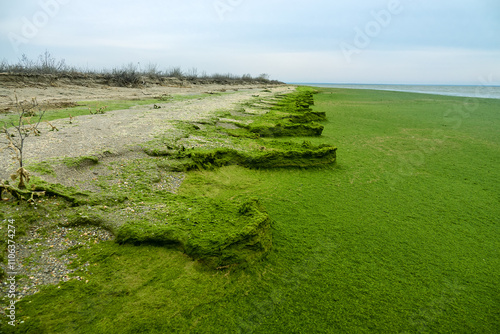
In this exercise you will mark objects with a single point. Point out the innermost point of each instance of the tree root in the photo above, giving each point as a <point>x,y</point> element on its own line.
<point>7,192</point>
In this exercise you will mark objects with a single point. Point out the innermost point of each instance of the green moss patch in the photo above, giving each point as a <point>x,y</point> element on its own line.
<point>44,168</point>
<point>75,196</point>
<point>307,117</point>
<point>214,232</point>
<point>273,155</point>
<point>286,129</point>
<point>79,218</point>
<point>82,161</point>
<point>287,115</point>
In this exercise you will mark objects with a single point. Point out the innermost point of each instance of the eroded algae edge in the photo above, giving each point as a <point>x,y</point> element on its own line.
<point>214,232</point>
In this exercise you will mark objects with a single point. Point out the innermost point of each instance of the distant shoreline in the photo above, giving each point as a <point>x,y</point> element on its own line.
<point>474,91</point>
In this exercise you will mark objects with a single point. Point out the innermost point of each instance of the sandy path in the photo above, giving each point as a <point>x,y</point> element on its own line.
<point>121,131</point>
<point>73,93</point>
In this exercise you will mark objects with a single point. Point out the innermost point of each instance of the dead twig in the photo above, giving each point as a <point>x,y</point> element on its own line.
<point>53,128</point>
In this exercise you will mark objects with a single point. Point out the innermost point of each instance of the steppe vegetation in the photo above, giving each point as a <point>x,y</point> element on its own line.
<point>131,75</point>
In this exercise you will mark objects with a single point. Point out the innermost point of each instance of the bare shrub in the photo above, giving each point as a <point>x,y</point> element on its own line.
<point>152,71</point>
<point>192,74</point>
<point>175,72</point>
<point>47,64</point>
<point>246,77</point>
<point>17,134</point>
<point>127,76</point>
<point>263,77</point>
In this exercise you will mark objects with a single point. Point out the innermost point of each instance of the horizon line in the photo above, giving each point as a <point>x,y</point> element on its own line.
<point>392,84</point>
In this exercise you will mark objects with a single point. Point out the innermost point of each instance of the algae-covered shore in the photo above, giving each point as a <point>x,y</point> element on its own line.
<point>340,211</point>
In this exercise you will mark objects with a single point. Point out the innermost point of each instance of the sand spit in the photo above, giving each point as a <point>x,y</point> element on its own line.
<point>119,131</point>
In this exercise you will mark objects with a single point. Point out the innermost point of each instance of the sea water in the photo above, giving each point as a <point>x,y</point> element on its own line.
<point>492,92</point>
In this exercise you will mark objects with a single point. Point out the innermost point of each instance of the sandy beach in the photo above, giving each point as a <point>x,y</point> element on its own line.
<point>118,131</point>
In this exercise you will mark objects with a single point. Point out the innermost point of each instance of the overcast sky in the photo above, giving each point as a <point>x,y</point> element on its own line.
<point>341,41</point>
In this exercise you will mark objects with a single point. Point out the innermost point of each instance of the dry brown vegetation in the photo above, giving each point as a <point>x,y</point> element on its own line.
<point>131,75</point>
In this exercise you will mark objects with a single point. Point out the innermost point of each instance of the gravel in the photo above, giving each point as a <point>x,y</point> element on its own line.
<point>44,255</point>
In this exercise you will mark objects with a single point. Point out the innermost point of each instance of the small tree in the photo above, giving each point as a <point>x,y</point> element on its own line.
<point>21,129</point>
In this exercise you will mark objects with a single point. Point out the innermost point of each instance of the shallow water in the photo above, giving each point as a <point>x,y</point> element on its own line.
<point>492,92</point>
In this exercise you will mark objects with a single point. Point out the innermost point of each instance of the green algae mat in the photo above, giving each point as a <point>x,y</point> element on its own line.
<point>401,235</point>
<point>217,233</point>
